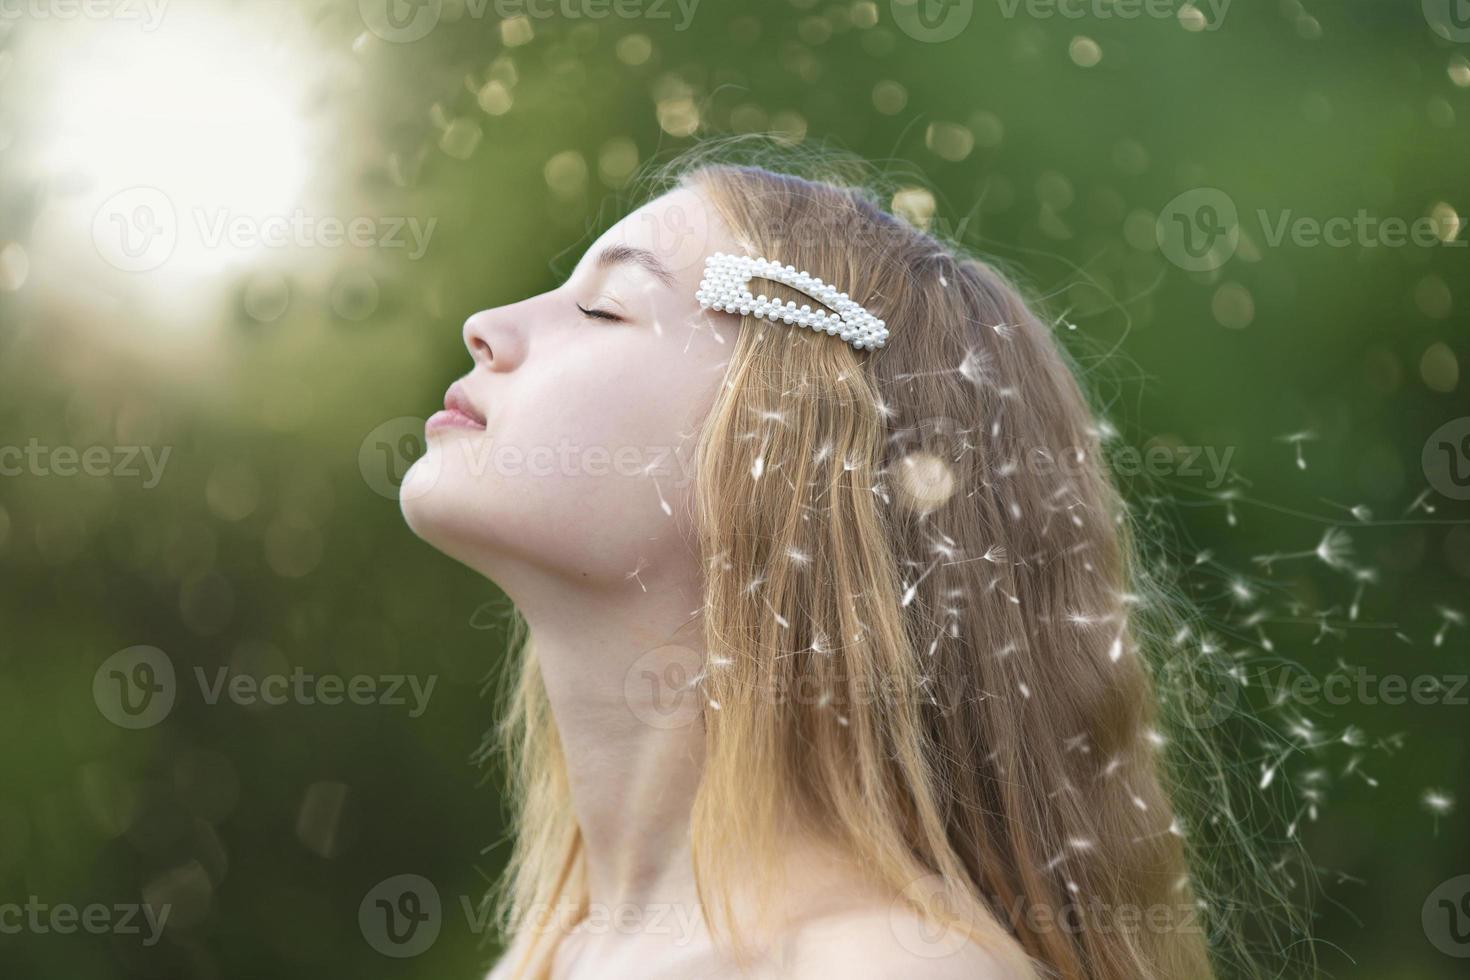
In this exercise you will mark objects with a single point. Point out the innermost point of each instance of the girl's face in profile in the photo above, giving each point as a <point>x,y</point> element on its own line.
<point>568,446</point>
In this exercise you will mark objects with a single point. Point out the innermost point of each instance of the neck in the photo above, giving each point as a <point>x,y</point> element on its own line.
<point>617,661</point>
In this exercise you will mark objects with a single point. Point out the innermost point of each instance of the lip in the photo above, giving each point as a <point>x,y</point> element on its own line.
<point>459,412</point>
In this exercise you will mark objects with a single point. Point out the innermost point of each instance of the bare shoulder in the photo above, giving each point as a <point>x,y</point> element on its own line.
<point>886,943</point>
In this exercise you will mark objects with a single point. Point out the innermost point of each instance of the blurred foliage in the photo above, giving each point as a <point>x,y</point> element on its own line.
<point>1052,142</point>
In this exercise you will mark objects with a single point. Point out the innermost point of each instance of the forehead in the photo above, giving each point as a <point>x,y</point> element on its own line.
<point>679,229</point>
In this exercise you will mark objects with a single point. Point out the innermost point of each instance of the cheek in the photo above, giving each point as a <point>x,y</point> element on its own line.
<point>609,455</point>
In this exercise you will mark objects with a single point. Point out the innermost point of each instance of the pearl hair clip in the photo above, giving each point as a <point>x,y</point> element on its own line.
<point>726,287</point>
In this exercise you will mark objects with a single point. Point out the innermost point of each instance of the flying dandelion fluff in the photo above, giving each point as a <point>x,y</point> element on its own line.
<point>1334,551</point>
<point>1438,804</point>
<point>1295,440</point>
<point>1448,618</point>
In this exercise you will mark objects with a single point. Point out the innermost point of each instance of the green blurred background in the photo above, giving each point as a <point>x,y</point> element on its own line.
<point>1094,148</point>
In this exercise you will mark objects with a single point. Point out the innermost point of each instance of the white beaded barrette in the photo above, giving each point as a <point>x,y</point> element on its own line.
<point>726,287</point>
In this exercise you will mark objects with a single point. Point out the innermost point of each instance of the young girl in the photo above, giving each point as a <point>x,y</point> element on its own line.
<point>830,670</point>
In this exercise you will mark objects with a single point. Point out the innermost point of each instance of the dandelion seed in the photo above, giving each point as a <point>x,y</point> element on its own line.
<point>1326,630</point>
<point>913,590</point>
<point>1334,550</point>
<point>1353,768</point>
<point>976,366</point>
<point>945,547</point>
<point>1420,502</point>
<point>1269,770</point>
<point>1295,439</point>
<point>1438,803</point>
<point>1451,617</point>
<point>1365,577</point>
<point>1360,512</point>
<point>663,504</point>
<point>1227,497</point>
<point>635,576</point>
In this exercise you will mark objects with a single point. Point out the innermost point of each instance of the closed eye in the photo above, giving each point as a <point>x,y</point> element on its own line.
<point>599,314</point>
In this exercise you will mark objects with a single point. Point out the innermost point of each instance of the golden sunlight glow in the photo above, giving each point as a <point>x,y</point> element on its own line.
<point>167,139</point>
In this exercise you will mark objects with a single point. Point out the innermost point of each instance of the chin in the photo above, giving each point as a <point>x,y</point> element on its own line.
<point>467,519</point>
<point>437,509</point>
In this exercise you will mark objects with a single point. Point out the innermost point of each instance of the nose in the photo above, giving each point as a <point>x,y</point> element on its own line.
<point>493,340</point>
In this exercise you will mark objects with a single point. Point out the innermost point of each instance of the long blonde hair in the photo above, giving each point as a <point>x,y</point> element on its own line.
<point>924,540</point>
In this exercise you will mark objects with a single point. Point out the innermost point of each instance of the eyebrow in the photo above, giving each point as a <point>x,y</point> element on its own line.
<point>615,254</point>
